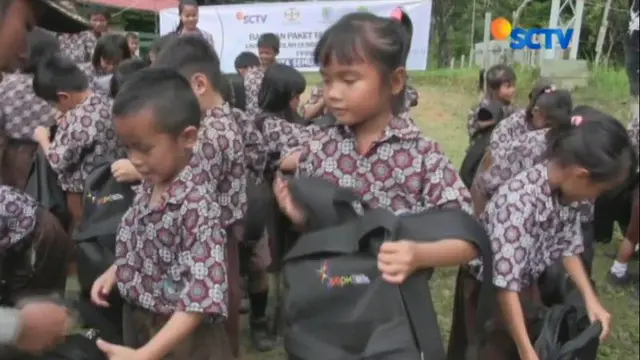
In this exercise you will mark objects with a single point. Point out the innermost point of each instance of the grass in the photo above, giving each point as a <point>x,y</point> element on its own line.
<point>445,98</point>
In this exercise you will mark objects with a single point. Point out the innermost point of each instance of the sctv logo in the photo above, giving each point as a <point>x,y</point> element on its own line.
<point>501,29</point>
<point>251,19</point>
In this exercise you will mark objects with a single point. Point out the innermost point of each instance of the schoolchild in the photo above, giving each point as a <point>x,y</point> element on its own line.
<point>84,137</point>
<point>22,111</point>
<point>123,72</point>
<point>157,45</point>
<point>382,156</point>
<point>520,121</point>
<point>268,49</point>
<point>170,265</point>
<point>133,39</point>
<point>501,87</point>
<point>228,142</point>
<point>35,249</point>
<point>534,221</point>
<point>246,61</point>
<point>410,93</point>
<point>619,272</point>
<point>110,50</point>
<point>552,110</point>
<point>79,47</point>
<point>314,105</point>
<point>189,13</point>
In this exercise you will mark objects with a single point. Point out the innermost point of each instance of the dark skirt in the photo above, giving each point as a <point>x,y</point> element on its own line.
<point>258,277</point>
<point>208,342</point>
<point>40,266</point>
<point>76,209</point>
<point>17,161</point>
<point>632,230</point>
<point>498,344</point>
<point>232,325</point>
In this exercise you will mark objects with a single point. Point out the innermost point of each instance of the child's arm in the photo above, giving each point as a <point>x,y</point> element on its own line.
<point>175,331</point>
<point>63,155</point>
<point>574,266</point>
<point>313,110</point>
<point>124,171</point>
<point>511,309</point>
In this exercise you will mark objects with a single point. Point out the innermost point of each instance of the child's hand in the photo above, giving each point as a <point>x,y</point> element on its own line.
<point>103,286</point>
<point>598,313</point>
<point>287,204</point>
<point>124,171</point>
<point>117,352</point>
<point>41,134</point>
<point>397,260</point>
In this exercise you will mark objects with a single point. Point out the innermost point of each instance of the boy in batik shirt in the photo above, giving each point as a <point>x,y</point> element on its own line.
<point>268,49</point>
<point>170,265</point>
<point>79,47</point>
<point>84,138</point>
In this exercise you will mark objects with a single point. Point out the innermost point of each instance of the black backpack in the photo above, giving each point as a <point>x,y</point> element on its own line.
<point>476,152</point>
<point>43,186</point>
<point>568,334</point>
<point>336,304</point>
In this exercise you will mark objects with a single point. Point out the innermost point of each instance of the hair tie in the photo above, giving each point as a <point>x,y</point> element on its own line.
<point>577,120</point>
<point>396,14</point>
<point>550,89</point>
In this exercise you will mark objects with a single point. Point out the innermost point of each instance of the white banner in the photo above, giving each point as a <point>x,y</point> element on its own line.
<point>236,28</point>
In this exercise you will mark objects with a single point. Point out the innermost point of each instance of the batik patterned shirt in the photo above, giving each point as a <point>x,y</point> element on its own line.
<point>221,147</point>
<point>254,144</point>
<point>473,126</point>
<point>508,129</point>
<point>410,98</point>
<point>21,109</point>
<point>78,47</point>
<point>94,75</point>
<point>252,82</point>
<point>281,135</point>
<point>84,140</point>
<point>171,255</point>
<point>522,152</point>
<point>529,230</point>
<point>17,217</point>
<point>402,171</point>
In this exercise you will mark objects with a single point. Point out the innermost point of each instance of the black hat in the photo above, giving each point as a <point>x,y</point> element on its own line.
<point>62,16</point>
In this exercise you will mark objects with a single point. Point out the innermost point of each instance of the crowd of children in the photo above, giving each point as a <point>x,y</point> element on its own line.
<point>191,141</point>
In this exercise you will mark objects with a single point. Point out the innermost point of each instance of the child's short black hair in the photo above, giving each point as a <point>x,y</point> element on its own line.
<point>496,76</point>
<point>542,85</point>
<point>111,47</point>
<point>362,36</point>
<point>95,10</point>
<point>269,41</point>
<point>236,81</point>
<point>132,35</point>
<point>595,141</point>
<point>166,93</point>
<point>158,44</point>
<point>281,83</point>
<point>557,106</point>
<point>123,72</point>
<point>246,59</point>
<point>57,74</point>
<point>42,44</point>
<point>189,55</point>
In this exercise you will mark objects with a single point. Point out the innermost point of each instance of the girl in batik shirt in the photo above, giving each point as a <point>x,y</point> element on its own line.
<point>501,87</point>
<point>382,156</point>
<point>189,16</point>
<point>79,47</point>
<point>534,221</point>
<point>21,111</point>
<point>109,52</point>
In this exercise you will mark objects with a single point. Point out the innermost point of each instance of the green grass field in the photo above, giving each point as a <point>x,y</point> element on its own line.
<point>445,99</point>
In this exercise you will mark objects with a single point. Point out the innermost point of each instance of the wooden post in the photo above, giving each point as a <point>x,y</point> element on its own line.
<point>452,64</point>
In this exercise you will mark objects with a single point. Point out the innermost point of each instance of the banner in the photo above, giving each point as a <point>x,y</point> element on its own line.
<point>236,28</point>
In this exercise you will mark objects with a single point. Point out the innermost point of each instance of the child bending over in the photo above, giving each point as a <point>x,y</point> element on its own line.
<point>534,221</point>
<point>170,248</point>
<point>84,138</point>
<point>382,156</point>
<point>268,49</point>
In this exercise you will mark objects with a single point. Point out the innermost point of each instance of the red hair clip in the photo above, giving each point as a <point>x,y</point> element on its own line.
<point>396,14</point>
<point>577,120</point>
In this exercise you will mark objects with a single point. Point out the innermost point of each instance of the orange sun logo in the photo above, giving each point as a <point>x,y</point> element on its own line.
<point>501,28</point>
<point>239,15</point>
